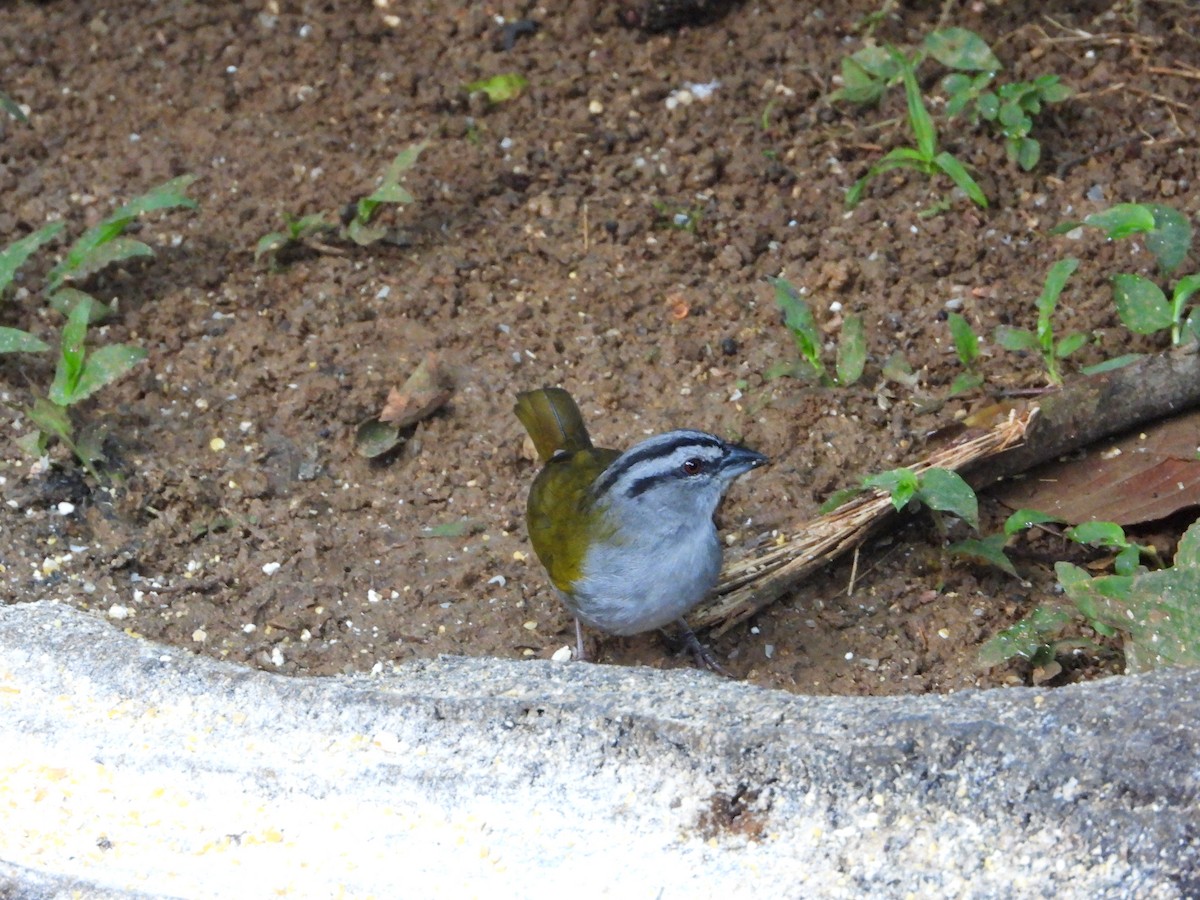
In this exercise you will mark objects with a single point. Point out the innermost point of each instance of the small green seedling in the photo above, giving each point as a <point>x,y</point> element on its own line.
<point>360,230</point>
<point>78,375</point>
<point>966,345</point>
<point>360,226</point>
<point>941,490</point>
<point>297,230</point>
<point>500,88</point>
<point>1042,340</point>
<point>925,156</point>
<point>1142,305</point>
<point>798,318</point>
<point>1111,536</point>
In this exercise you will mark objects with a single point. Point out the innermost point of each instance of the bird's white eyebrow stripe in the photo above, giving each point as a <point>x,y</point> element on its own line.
<point>701,443</point>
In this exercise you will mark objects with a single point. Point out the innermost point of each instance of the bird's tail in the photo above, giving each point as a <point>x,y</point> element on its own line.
<point>553,421</point>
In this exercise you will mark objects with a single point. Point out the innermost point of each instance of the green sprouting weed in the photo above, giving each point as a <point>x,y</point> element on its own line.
<point>1111,536</point>
<point>966,345</point>
<point>925,156</point>
<point>1142,304</point>
<point>360,230</point>
<point>1042,340</point>
<point>1156,613</point>
<point>78,374</point>
<point>106,243</point>
<point>360,226</point>
<point>971,88</point>
<point>500,88</point>
<point>81,372</point>
<point>798,319</point>
<point>296,230</point>
<point>990,549</point>
<point>941,490</point>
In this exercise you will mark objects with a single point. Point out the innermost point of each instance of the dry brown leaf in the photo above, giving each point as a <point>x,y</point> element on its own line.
<point>1141,478</point>
<point>426,391</point>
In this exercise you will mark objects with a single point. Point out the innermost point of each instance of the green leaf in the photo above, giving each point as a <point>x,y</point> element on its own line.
<point>270,243</point>
<point>85,254</point>
<point>1117,362</point>
<point>989,550</point>
<point>1098,534</point>
<point>1051,89</point>
<point>13,108</point>
<point>1070,344</point>
<point>168,195</point>
<point>961,48</point>
<point>798,318</point>
<point>966,344</point>
<point>1171,238</point>
<point>851,351</point>
<point>1027,518</point>
<point>71,353</point>
<point>945,490</point>
<point>900,484</point>
<point>1027,154</point>
<point>840,498</point>
<point>1026,637</point>
<point>14,255</point>
<point>104,365</point>
<point>1141,304</point>
<point>1016,339</point>
<point>452,529</point>
<point>988,106</point>
<point>1047,301</point>
<point>52,419</point>
<point>119,249</point>
<point>65,299</point>
<point>363,234</point>
<point>13,340</point>
<point>1122,220</point>
<point>500,88</point>
<point>959,175</point>
<point>918,116</point>
<point>866,75</point>
<point>967,381</point>
<point>389,190</point>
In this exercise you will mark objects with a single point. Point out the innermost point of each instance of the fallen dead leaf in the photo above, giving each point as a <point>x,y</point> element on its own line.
<point>426,391</point>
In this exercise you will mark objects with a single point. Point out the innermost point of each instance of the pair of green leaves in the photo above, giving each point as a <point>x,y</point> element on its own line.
<point>798,318</point>
<point>1042,340</point>
<point>1142,305</point>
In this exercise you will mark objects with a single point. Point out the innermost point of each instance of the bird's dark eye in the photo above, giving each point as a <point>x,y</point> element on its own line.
<point>692,466</point>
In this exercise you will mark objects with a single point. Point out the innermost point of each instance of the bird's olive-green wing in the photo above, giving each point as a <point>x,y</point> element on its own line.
<point>561,518</point>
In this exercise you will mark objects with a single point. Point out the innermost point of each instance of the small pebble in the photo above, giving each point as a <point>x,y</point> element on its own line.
<point>270,568</point>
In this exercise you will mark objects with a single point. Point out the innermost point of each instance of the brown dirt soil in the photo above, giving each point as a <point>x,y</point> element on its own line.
<point>536,253</point>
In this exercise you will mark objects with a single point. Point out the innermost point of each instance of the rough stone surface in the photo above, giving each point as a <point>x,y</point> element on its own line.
<point>130,769</point>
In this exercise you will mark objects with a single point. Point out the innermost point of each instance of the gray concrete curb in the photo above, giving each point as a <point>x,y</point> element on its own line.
<point>128,769</point>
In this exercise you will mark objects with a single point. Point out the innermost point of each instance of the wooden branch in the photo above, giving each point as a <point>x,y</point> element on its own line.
<point>1086,411</point>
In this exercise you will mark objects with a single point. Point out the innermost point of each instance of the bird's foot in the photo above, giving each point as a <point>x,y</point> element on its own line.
<point>702,655</point>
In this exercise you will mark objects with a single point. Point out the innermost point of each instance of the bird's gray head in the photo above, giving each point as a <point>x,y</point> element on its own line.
<point>681,471</point>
